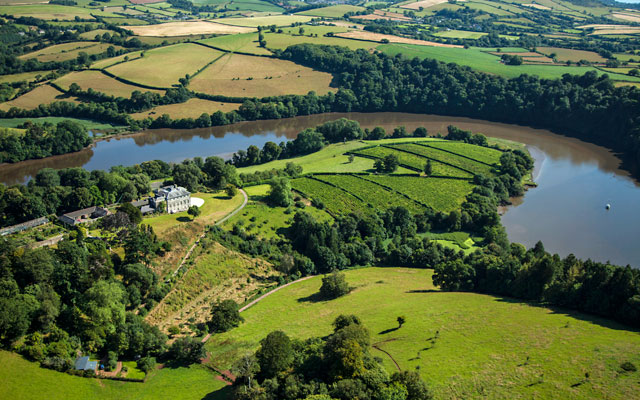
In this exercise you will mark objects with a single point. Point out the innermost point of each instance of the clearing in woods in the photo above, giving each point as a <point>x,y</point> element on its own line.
<point>163,67</point>
<point>186,28</point>
<point>100,82</point>
<point>450,338</point>
<point>248,76</point>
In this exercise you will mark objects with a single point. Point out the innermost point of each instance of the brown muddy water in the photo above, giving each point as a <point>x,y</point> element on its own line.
<point>566,211</point>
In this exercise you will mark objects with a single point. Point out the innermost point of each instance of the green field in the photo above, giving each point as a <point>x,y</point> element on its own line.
<point>332,11</point>
<point>243,42</point>
<point>25,380</point>
<point>482,154</point>
<point>465,345</point>
<point>278,20</point>
<point>445,157</point>
<point>441,194</point>
<point>13,122</point>
<point>337,201</point>
<point>486,62</point>
<point>373,194</point>
<point>282,41</point>
<point>162,67</point>
<point>52,11</point>
<point>456,34</point>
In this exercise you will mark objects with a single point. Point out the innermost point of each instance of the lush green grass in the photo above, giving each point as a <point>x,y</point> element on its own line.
<point>441,194</point>
<point>336,11</point>
<point>13,122</point>
<point>465,345</point>
<point>25,380</point>
<point>485,62</point>
<point>373,194</point>
<point>243,42</point>
<point>336,201</point>
<point>463,163</point>
<point>282,41</point>
<point>482,154</point>
<point>132,370</point>
<point>456,34</point>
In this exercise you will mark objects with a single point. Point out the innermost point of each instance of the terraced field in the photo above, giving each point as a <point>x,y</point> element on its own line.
<point>414,161</point>
<point>336,201</point>
<point>373,193</point>
<point>432,153</point>
<point>438,193</point>
<point>482,154</point>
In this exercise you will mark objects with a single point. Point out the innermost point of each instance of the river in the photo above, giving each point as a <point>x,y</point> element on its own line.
<point>566,211</point>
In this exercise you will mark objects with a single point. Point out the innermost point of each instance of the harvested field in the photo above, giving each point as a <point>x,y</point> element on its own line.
<point>247,76</point>
<point>627,17</point>
<point>67,51</point>
<point>100,82</point>
<point>423,4</point>
<point>164,66</point>
<point>564,55</point>
<point>278,20</point>
<point>379,14</point>
<point>43,94</point>
<point>192,108</point>
<point>537,6</point>
<point>377,37</point>
<point>186,28</point>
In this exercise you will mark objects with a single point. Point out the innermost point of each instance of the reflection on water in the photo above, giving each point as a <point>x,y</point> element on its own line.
<point>566,211</point>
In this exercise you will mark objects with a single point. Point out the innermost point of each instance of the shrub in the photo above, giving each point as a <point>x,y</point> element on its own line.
<point>334,286</point>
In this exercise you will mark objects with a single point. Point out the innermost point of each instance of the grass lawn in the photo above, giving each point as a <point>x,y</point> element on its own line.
<point>25,380</point>
<point>132,370</point>
<point>248,76</point>
<point>485,62</point>
<point>465,345</point>
<point>100,82</point>
<point>164,66</point>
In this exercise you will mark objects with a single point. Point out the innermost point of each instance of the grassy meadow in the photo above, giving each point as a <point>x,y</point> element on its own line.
<point>68,51</point>
<point>100,82</point>
<point>464,345</point>
<point>43,94</point>
<point>192,108</point>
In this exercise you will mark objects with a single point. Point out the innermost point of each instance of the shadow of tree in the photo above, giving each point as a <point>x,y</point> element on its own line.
<point>222,394</point>
<point>313,298</point>
<point>388,330</point>
<point>184,219</point>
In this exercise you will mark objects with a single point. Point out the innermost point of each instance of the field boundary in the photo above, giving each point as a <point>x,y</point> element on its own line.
<point>207,65</point>
<point>233,51</point>
<point>126,81</point>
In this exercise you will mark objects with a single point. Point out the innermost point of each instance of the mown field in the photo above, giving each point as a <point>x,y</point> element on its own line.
<point>164,66</point>
<point>25,380</point>
<point>100,82</point>
<point>248,76</point>
<point>464,345</point>
<point>68,51</point>
<point>43,94</point>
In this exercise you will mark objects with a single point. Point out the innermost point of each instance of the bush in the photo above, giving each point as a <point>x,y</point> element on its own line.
<point>334,286</point>
<point>146,364</point>
<point>225,316</point>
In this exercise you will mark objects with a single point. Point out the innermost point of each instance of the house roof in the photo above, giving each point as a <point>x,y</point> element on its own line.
<point>83,363</point>
<point>172,192</point>
<point>79,213</point>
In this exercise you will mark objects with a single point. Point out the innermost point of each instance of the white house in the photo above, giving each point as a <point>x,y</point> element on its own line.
<point>177,198</point>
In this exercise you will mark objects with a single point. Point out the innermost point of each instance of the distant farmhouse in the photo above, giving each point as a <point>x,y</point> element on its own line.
<point>177,198</point>
<point>83,364</point>
<point>85,215</point>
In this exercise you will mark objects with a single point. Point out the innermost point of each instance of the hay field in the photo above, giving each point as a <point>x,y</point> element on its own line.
<point>164,66</point>
<point>100,82</point>
<point>186,28</point>
<point>247,76</point>
<point>332,11</point>
<point>23,76</point>
<point>564,55</point>
<point>278,20</point>
<point>68,51</point>
<point>43,94</point>
<point>627,17</point>
<point>377,37</point>
<point>192,108</point>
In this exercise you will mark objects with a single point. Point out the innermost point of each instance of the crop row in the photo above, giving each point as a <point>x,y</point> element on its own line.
<point>413,161</point>
<point>483,154</point>
<point>441,194</point>
<point>445,157</point>
<point>374,194</point>
<point>336,201</point>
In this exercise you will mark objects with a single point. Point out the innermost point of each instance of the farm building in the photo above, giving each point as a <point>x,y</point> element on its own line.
<point>85,215</point>
<point>23,226</point>
<point>177,198</point>
<point>83,364</point>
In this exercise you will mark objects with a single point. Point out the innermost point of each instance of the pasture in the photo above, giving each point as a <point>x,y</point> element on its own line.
<point>278,20</point>
<point>336,11</point>
<point>564,55</point>
<point>248,76</point>
<point>192,108</point>
<point>243,43</point>
<point>52,11</point>
<point>282,41</point>
<point>25,380</point>
<point>67,51</point>
<point>43,94</point>
<point>378,37</point>
<point>22,77</point>
<point>164,66</point>
<point>462,344</point>
<point>456,34</point>
<point>185,28</point>
<point>100,82</point>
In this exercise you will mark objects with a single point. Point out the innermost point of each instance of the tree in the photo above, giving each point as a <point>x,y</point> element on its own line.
<point>401,320</point>
<point>334,286</point>
<point>132,212</point>
<point>428,169</point>
<point>391,163</point>
<point>194,211</point>
<point>225,316</point>
<point>275,354</point>
<point>231,190</point>
<point>245,368</point>
<point>187,350</point>
<point>420,131</point>
<point>280,192</point>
